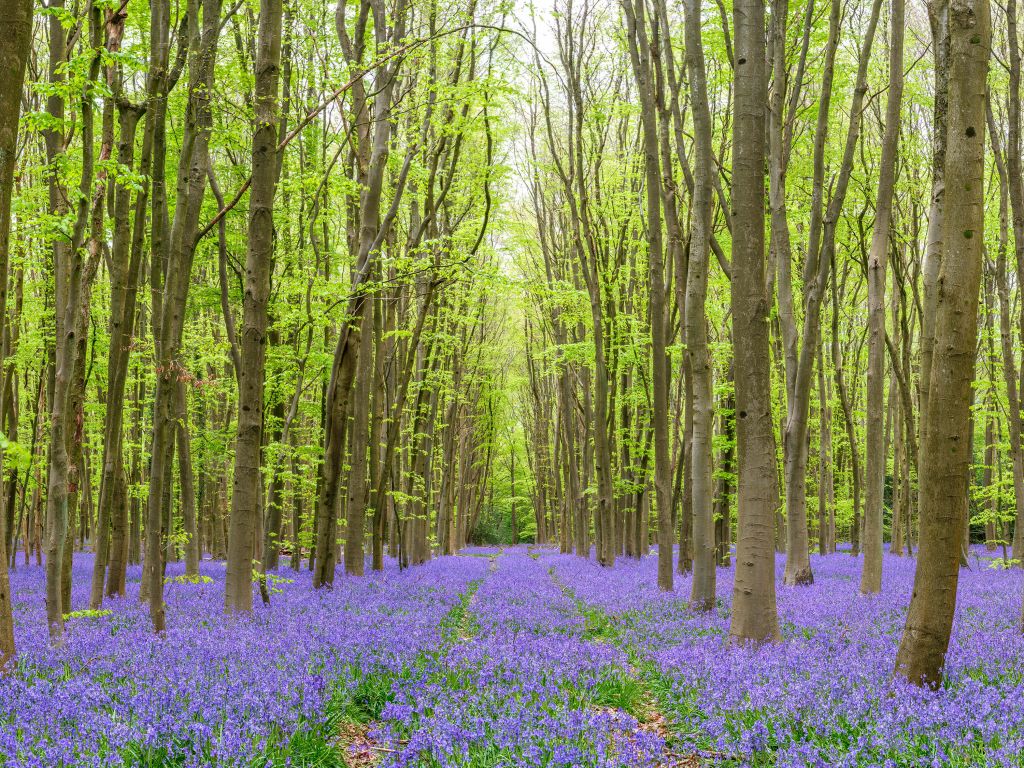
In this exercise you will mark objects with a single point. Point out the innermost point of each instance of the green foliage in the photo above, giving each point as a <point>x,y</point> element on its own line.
<point>598,625</point>
<point>365,702</point>
<point>186,578</point>
<point>87,613</point>
<point>1001,564</point>
<point>617,691</point>
<point>272,580</point>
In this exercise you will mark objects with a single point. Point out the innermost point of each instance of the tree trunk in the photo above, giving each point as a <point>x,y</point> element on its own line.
<point>191,187</point>
<point>642,49</point>
<point>186,486</point>
<point>1009,359</point>
<point>72,278</point>
<point>372,231</point>
<point>944,454</point>
<point>248,480</point>
<point>754,615</point>
<point>699,357</point>
<point>826,478</point>
<point>125,261</point>
<point>722,501</point>
<point>1015,189</point>
<point>358,491</point>
<point>15,44</point>
<point>871,574</point>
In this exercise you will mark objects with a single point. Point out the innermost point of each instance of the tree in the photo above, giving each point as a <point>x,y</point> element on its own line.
<point>963,29</point>
<point>754,614</point>
<point>871,575</point>
<point>15,42</point>
<point>699,358</point>
<point>369,235</point>
<point>169,313</point>
<point>642,50</point>
<point>248,479</point>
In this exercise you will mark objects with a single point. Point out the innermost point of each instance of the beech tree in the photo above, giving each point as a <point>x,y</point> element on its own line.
<point>754,614</point>
<point>871,577</point>
<point>248,482</point>
<point>965,32</point>
<point>15,40</point>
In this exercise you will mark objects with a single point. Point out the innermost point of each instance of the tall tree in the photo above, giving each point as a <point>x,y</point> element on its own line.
<point>699,358</point>
<point>248,479</point>
<point>374,105</point>
<point>193,162</point>
<point>871,575</point>
<point>754,613</point>
<point>73,276</point>
<point>1015,188</point>
<point>963,29</point>
<point>642,49</point>
<point>15,44</point>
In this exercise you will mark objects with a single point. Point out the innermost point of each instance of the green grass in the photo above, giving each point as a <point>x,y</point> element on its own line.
<point>367,700</point>
<point>617,691</point>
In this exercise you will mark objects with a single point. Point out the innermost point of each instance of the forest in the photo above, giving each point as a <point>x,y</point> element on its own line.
<point>499,383</point>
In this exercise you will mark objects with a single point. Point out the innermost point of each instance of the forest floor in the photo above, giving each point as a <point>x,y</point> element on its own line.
<point>513,657</point>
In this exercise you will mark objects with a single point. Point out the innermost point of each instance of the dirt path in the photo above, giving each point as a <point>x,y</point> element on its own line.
<point>649,713</point>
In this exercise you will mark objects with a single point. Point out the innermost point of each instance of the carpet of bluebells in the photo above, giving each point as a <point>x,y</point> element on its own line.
<point>507,658</point>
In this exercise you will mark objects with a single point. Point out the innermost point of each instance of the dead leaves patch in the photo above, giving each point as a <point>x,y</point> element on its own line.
<point>358,748</point>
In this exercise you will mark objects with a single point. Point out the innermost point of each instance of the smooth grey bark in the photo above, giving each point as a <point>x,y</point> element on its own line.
<point>15,45</point>
<point>945,455</point>
<point>702,596</point>
<point>871,574</point>
<point>642,48</point>
<point>754,613</point>
<point>247,485</point>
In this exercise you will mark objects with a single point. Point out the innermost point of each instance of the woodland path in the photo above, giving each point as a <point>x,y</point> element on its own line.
<point>522,675</point>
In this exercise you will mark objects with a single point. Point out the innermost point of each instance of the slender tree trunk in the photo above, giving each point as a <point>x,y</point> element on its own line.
<point>56,497</point>
<point>846,404</point>
<point>125,260</point>
<point>358,491</point>
<point>944,454</point>
<point>826,487</point>
<point>871,574</point>
<point>248,480</point>
<point>697,352</point>
<point>72,278</point>
<point>191,187</point>
<point>1015,189</point>
<point>1009,358</point>
<point>642,49</point>
<point>722,500</point>
<point>186,486</point>
<point>15,44</point>
<point>754,614</point>
<point>372,230</point>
